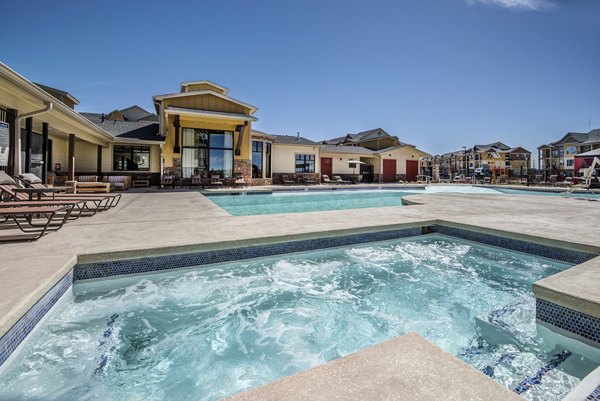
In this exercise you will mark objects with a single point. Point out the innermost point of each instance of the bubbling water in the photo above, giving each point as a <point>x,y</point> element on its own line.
<point>206,333</point>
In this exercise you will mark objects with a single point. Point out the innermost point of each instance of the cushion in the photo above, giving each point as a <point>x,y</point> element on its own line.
<point>30,178</point>
<point>6,179</point>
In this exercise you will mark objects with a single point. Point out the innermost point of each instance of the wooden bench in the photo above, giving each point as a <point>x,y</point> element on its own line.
<point>87,187</point>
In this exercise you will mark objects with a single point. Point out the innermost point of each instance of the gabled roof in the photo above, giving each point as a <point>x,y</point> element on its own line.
<point>571,137</point>
<point>205,92</point>
<point>136,113</point>
<point>372,134</point>
<point>141,130</point>
<point>496,145</point>
<point>184,85</point>
<point>57,93</point>
<point>292,140</point>
<point>517,149</point>
<point>346,149</point>
<point>593,136</point>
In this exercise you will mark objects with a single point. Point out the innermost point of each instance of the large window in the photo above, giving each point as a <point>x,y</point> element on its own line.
<point>207,153</point>
<point>305,163</point>
<point>131,158</point>
<point>257,159</point>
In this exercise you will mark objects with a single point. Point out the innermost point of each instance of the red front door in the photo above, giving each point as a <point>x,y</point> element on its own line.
<point>412,170</point>
<point>389,170</point>
<point>326,166</point>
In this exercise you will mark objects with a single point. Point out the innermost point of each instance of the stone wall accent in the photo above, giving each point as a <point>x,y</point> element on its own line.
<point>244,167</point>
<point>261,181</point>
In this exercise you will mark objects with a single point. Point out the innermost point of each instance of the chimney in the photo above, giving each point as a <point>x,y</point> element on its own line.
<point>298,135</point>
<point>102,117</point>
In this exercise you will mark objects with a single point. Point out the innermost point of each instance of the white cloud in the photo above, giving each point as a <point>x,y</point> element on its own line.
<point>524,5</point>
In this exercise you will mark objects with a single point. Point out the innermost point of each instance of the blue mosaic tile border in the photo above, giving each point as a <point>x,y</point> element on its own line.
<point>159,263</point>
<point>573,321</point>
<point>13,337</point>
<point>561,254</point>
<point>595,396</point>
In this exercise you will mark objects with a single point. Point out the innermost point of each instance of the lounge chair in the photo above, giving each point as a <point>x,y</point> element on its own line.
<point>93,202</point>
<point>326,180</point>
<point>55,217</point>
<point>338,180</point>
<point>79,207</point>
<point>487,180</point>
<point>568,182</point>
<point>286,180</point>
<point>215,181</point>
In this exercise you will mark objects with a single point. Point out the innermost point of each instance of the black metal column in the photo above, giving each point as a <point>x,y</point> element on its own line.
<point>14,133</point>
<point>176,147</point>
<point>28,139</point>
<point>99,162</point>
<point>71,157</point>
<point>44,152</point>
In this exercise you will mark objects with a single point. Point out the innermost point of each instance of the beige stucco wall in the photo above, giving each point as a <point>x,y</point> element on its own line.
<point>402,155</point>
<point>60,152</point>
<point>284,157</point>
<point>340,165</point>
<point>85,157</point>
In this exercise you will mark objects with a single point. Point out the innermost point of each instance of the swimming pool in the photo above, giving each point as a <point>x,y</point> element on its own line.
<point>209,332</point>
<point>248,204</point>
<point>309,201</point>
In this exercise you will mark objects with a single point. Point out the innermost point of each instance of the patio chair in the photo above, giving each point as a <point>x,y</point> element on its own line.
<point>568,182</point>
<point>552,180</point>
<point>215,181</point>
<point>308,179</point>
<point>487,180</point>
<point>240,181</point>
<point>23,217</point>
<point>337,179</point>
<point>87,178</point>
<point>286,180</point>
<point>196,180</point>
<point>167,181</point>
<point>117,182</point>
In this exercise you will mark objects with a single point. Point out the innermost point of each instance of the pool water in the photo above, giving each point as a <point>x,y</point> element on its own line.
<point>248,204</point>
<point>309,201</point>
<point>206,333</point>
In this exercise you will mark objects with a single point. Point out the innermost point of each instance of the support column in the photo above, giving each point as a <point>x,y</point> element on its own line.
<point>71,157</point>
<point>14,146</point>
<point>28,139</point>
<point>99,162</point>
<point>44,152</point>
<point>176,147</point>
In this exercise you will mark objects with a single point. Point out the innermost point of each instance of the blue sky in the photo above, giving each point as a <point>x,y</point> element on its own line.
<point>437,73</point>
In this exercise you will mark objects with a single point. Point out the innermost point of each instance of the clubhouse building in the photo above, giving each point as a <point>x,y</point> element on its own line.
<point>199,130</point>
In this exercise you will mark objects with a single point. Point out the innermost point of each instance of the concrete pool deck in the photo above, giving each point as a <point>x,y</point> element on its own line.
<point>156,222</point>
